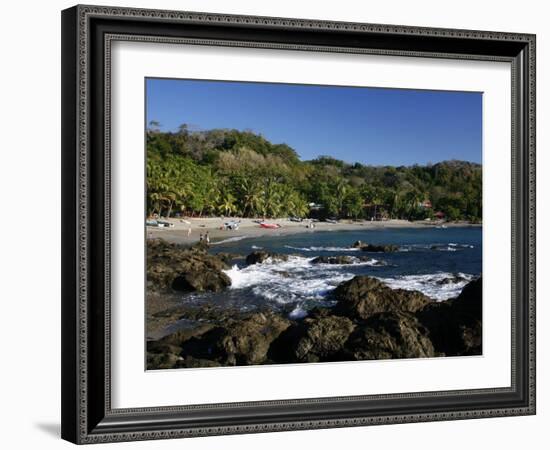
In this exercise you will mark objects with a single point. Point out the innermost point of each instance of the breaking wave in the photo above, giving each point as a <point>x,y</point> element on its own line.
<point>439,286</point>
<point>288,281</point>
<point>323,249</point>
<point>440,247</point>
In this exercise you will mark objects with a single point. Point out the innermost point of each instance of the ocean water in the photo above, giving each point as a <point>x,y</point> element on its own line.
<point>436,261</point>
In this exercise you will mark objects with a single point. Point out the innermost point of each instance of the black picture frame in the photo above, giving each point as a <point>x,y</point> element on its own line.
<point>87,416</point>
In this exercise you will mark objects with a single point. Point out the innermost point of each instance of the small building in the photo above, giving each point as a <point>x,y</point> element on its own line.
<point>426,204</point>
<point>439,215</point>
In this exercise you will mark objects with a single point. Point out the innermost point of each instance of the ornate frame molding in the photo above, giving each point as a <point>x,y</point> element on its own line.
<point>80,423</point>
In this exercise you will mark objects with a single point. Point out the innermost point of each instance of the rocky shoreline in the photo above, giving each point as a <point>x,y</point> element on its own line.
<point>369,320</point>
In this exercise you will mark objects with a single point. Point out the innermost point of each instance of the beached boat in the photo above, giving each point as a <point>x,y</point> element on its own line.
<point>164,223</point>
<point>269,225</point>
<point>159,223</point>
<point>231,225</point>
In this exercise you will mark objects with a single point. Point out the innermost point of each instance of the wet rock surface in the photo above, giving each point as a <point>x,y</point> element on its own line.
<point>389,335</point>
<point>317,338</point>
<point>363,296</point>
<point>201,281</point>
<point>451,280</point>
<point>261,256</point>
<point>411,326</point>
<point>369,319</point>
<point>455,325</point>
<point>343,259</point>
<point>244,341</point>
<point>184,269</point>
<point>376,248</point>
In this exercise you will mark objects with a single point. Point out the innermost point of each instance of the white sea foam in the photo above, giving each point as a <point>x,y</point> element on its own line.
<point>297,280</point>
<point>323,249</point>
<point>440,247</point>
<point>452,244</point>
<point>288,281</point>
<point>439,286</point>
<point>452,247</point>
<point>231,239</point>
<point>297,313</point>
<point>371,262</point>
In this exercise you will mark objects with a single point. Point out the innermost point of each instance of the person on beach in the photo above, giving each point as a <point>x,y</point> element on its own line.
<point>189,232</point>
<point>200,238</point>
<point>207,238</point>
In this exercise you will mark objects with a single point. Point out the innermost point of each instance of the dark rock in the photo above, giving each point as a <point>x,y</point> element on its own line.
<point>194,363</point>
<point>333,260</point>
<point>227,258</point>
<point>469,302</point>
<point>201,280</point>
<point>161,360</point>
<point>319,311</point>
<point>343,259</point>
<point>162,356</point>
<point>184,269</point>
<point>165,353</point>
<point>386,248</point>
<point>162,347</point>
<point>316,338</point>
<point>177,338</point>
<point>389,335</point>
<point>451,280</point>
<point>260,256</point>
<point>363,296</point>
<point>375,248</point>
<point>455,325</point>
<point>240,342</point>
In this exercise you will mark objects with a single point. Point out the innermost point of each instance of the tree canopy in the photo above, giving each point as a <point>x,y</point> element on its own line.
<point>232,172</point>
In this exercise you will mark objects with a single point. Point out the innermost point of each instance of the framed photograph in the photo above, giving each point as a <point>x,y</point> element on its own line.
<point>281,224</point>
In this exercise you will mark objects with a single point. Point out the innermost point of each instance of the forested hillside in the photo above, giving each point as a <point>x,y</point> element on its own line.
<point>240,173</point>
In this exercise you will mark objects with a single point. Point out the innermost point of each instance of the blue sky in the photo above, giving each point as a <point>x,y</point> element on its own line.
<point>368,125</point>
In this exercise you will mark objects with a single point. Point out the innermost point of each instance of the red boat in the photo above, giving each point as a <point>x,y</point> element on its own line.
<point>269,225</point>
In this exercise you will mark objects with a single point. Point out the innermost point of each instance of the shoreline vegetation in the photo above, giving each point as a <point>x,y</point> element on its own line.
<point>229,173</point>
<point>368,321</point>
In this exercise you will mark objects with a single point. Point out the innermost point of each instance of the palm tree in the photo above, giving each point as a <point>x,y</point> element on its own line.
<point>226,203</point>
<point>158,187</point>
<point>412,199</point>
<point>341,191</point>
<point>251,196</point>
<point>291,202</point>
<point>271,200</point>
<point>373,196</point>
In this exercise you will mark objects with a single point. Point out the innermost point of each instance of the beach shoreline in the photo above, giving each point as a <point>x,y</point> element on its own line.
<point>248,228</point>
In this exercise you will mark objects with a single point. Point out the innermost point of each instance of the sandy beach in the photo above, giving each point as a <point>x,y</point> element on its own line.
<point>179,233</point>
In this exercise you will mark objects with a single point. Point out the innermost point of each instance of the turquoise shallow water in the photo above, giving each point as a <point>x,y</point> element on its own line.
<point>436,261</point>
